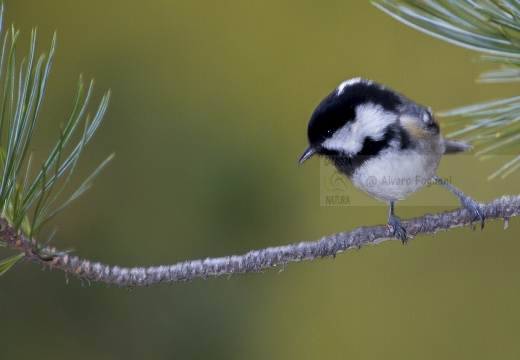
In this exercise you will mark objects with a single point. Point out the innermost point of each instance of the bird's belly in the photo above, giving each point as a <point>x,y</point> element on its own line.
<point>392,177</point>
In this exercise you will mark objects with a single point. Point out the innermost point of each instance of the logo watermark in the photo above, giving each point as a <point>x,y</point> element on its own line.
<point>335,188</point>
<point>417,181</point>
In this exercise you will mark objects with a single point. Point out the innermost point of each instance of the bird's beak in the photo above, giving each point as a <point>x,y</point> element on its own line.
<point>307,154</point>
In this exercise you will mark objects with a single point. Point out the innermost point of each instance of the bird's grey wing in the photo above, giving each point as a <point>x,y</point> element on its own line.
<point>454,147</point>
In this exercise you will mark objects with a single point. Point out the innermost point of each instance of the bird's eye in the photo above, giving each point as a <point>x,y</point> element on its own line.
<point>328,133</point>
<point>427,116</point>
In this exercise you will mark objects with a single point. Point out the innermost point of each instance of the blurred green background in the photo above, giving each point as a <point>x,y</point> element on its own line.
<point>208,117</point>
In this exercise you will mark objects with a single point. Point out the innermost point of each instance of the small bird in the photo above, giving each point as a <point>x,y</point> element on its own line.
<point>374,135</point>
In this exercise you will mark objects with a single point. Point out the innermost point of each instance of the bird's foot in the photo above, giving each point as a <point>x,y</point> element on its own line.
<point>399,231</point>
<point>474,208</point>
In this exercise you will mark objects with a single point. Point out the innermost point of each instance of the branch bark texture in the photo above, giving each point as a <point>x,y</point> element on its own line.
<point>254,261</point>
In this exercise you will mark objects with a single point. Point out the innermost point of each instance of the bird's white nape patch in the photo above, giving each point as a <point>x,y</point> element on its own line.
<point>349,82</point>
<point>371,121</point>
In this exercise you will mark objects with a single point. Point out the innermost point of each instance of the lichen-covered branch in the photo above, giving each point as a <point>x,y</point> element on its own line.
<point>254,261</point>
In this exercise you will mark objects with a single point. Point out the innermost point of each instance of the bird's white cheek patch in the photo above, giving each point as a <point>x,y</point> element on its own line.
<point>341,141</point>
<point>371,121</point>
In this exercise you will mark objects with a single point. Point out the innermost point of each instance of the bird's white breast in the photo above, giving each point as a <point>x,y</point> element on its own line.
<point>391,176</point>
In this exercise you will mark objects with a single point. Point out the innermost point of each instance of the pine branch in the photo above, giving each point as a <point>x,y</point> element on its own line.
<point>254,261</point>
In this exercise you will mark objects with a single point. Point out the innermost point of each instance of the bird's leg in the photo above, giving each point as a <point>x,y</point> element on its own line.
<point>467,202</point>
<point>395,223</point>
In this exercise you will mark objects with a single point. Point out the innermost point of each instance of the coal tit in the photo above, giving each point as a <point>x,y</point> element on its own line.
<point>373,135</point>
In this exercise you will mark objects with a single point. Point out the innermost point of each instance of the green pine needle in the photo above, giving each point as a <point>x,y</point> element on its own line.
<point>28,201</point>
<point>7,263</point>
<point>493,28</point>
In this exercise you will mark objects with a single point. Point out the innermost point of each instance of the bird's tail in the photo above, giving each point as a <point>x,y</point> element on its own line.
<point>454,147</point>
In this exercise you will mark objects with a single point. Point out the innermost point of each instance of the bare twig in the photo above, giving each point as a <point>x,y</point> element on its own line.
<point>254,261</point>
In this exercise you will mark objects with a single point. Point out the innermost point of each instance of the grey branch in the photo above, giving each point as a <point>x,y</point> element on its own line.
<point>254,261</point>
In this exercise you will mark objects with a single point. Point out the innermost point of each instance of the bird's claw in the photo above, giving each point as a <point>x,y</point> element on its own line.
<point>473,207</point>
<point>399,230</point>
